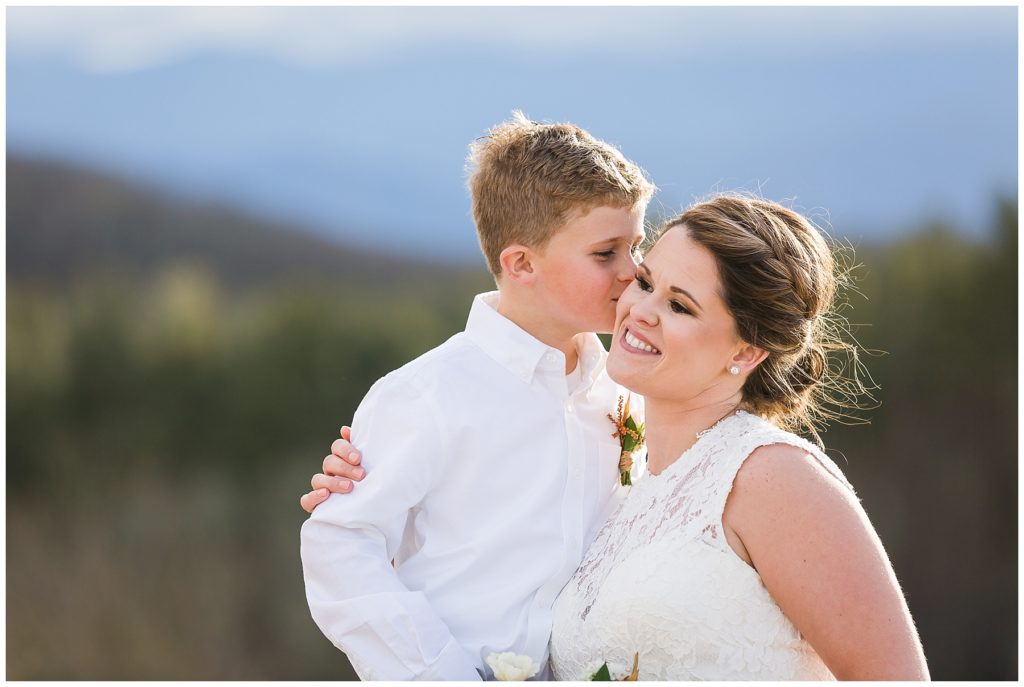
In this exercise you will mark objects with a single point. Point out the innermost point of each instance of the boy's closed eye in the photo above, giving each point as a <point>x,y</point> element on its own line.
<point>632,250</point>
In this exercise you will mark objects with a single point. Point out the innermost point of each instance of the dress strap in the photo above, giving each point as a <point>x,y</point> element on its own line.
<point>736,440</point>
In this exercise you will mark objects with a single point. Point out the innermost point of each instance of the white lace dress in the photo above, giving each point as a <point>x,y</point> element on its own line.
<point>662,581</point>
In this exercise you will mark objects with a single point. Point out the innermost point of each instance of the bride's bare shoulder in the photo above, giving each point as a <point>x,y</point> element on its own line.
<point>787,468</point>
<point>785,484</point>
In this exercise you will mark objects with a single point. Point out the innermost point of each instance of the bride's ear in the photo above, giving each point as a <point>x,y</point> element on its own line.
<point>746,359</point>
<point>517,264</point>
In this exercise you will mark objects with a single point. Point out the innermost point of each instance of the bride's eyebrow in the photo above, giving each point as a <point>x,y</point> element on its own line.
<point>689,295</point>
<point>674,289</point>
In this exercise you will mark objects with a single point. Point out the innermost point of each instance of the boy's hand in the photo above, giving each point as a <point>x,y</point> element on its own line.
<point>340,468</point>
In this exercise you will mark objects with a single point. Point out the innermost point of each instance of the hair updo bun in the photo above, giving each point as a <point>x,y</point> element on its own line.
<point>780,281</point>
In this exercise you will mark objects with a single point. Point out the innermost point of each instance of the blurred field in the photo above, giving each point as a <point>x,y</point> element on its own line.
<point>167,403</point>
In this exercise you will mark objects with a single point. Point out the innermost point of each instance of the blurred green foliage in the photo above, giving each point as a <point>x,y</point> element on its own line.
<point>159,436</point>
<point>937,467</point>
<point>161,428</point>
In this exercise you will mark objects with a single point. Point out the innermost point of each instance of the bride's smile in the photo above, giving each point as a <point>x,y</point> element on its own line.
<point>633,343</point>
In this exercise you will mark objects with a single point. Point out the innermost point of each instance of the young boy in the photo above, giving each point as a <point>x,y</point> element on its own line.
<point>490,461</point>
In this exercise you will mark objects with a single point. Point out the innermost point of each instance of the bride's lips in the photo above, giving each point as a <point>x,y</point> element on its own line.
<point>628,334</point>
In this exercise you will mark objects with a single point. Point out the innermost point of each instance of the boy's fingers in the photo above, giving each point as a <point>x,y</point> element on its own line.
<point>343,449</point>
<point>346,433</point>
<point>333,465</point>
<point>336,467</point>
<point>338,485</point>
<point>311,500</point>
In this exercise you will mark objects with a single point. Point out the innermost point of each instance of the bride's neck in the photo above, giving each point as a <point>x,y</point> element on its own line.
<point>671,427</point>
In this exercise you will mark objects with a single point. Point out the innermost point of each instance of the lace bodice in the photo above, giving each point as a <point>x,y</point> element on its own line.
<point>661,579</point>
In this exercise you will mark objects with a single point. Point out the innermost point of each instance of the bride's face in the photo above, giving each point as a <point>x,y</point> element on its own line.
<point>674,338</point>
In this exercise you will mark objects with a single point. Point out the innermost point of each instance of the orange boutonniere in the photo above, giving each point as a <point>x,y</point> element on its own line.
<point>630,434</point>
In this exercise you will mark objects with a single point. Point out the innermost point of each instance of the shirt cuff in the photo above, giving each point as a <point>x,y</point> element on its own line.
<point>453,663</point>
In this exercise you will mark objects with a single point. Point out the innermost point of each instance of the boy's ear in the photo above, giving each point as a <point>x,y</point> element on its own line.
<point>517,263</point>
<point>748,357</point>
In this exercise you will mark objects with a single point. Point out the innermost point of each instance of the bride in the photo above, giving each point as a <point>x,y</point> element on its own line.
<point>743,552</point>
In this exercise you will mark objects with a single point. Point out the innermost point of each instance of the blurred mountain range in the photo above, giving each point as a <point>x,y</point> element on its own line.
<point>871,141</point>
<point>64,222</point>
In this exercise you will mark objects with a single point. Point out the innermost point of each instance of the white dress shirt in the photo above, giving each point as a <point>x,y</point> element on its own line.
<point>486,480</point>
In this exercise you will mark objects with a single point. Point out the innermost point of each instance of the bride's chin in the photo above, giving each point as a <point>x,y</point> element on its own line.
<point>622,376</point>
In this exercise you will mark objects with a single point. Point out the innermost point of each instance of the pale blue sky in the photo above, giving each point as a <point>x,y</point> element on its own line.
<point>355,121</point>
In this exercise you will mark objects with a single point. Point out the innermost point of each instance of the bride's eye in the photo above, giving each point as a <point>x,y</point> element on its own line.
<point>643,284</point>
<point>678,307</point>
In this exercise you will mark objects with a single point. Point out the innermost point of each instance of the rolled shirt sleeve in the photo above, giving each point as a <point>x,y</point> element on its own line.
<point>355,595</point>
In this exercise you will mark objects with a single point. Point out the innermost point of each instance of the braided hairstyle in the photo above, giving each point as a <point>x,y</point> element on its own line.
<point>780,281</point>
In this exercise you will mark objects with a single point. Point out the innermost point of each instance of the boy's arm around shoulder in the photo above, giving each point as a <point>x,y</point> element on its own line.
<point>354,593</point>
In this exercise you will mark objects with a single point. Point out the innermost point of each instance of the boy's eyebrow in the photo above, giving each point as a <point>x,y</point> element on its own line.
<point>674,289</point>
<point>616,239</point>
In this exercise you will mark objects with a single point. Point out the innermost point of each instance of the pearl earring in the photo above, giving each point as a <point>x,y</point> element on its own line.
<point>734,370</point>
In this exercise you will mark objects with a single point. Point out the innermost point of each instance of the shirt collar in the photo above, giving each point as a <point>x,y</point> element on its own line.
<point>519,351</point>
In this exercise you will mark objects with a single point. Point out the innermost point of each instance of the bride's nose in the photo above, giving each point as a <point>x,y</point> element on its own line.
<point>644,311</point>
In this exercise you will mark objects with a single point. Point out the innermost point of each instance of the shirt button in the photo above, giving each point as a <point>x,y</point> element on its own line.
<point>569,408</point>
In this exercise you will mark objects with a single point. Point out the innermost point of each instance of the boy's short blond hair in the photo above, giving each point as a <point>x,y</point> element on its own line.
<point>526,178</point>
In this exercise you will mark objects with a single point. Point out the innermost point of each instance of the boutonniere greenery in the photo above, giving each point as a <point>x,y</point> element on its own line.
<point>630,434</point>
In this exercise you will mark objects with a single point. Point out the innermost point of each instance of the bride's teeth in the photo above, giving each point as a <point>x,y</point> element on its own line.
<point>637,343</point>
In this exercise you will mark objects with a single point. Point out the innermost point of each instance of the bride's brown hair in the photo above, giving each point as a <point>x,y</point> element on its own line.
<point>780,279</point>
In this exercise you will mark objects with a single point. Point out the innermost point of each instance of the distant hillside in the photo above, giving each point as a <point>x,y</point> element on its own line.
<point>874,133</point>
<point>63,222</point>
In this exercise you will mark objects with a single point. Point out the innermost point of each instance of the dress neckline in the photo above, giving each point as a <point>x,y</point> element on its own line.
<point>701,436</point>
